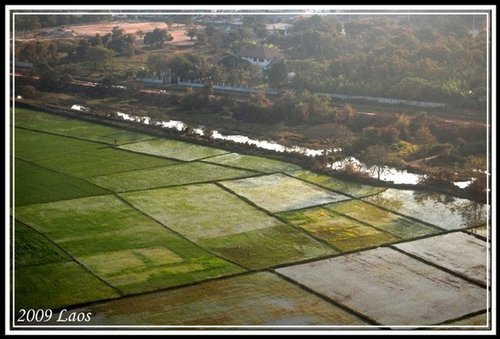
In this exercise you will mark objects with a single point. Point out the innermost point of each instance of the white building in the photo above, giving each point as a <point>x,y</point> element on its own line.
<point>279,28</point>
<point>260,56</point>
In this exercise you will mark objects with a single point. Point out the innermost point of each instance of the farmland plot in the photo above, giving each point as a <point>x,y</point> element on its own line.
<point>458,252</point>
<point>36,146</point>
<point>34,184</point>
<point>101,162</point>
<point>252,162</point>
<point>173,149</point>
<point>122,246</point>
<point>350,188</point>
<point>441,210</point>
<point>278,192</point>
<point>223,223</point>
<point>180,174</point>
<point>47,122</point>
<point>394,224</point>
<point>391,287</point>
<point>342,232</point>
<point>46,277</point>
<point>251,299</point>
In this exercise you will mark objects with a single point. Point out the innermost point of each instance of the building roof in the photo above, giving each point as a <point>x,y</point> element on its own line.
<point>278,26</point>
<point>260,52</point>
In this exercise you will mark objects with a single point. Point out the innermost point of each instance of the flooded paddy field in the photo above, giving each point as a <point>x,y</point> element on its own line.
<point>142,230</point>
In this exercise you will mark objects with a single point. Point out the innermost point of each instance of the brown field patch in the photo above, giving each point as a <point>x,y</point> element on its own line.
<point>177,30</point>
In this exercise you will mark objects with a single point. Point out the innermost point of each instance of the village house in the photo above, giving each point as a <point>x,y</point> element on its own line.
<point>260,56</point>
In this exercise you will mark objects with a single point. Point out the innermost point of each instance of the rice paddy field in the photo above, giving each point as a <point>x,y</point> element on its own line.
<point>140,230</point>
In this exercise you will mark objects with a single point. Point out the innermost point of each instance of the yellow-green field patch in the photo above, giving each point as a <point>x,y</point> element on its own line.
<point>99,231</point>
<point>181,174</point>
<point>173,149</point>
<point>223,223</point>
<point>392,223</point>
<point>279,192</point>
<point>252,162</point>
<point>255,299</point>
<point>344,233</point>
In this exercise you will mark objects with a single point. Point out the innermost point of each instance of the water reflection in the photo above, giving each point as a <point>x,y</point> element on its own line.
<point>442,210</point>
<point>388,174</point>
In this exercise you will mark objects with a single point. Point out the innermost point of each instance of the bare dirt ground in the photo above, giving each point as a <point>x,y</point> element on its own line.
<point>176,30</point>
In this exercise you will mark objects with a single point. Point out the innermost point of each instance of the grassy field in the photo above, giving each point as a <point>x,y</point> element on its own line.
<point>181,174</point>
<point>32,248</point>
<point>351,188</point>
<point>441,210</point>
<point>122,246</point>
<point>173,149</point>
<point>267,247</point>
<point>278,192</point>
<point>394,224</point>
<point>46,277</point>
<point>34,184</point>
<point>254,163</point>
<point>102,161</point>
<point>230,227</point>
<point>344,233</point>
<point>36,146</point>
<point>47,122</point>
<point>111,226</point>
<point>253,299</point>
<point>57,285</point>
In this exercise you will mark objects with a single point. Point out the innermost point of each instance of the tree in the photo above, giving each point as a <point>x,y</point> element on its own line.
<point>28,92</point>
<point>27,23</point>
<point>376,157</point>
<point>426,139</point>
<point>97,56</point>
<point>158,37</point>
<point>277,74</point>
<point>192,33</point>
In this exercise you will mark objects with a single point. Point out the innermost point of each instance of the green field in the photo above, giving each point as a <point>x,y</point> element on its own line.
<point>343,233</point>
<point>173,149</point>
<point>154,231</point>
<point>36,146</point>
<point>47,122</point>
<point>252,162</point>
<point>444,211</point>
<point>122,246</point>
<point>56,285</point>
<point>34,184</point>
<point>187,173</point>
<point>46,277</point>
<point>101,162</point>
<point>350,188</point>
<point>394,224</point>
<point>226,225</point>
<point>32,248</point>
<point>279,192</point>
<point>254,299</point>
